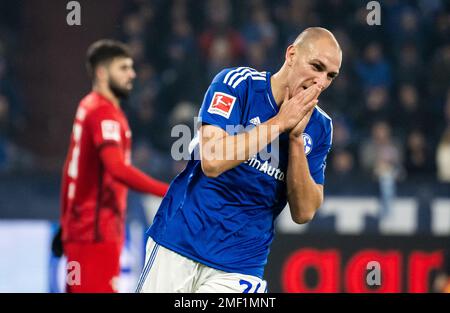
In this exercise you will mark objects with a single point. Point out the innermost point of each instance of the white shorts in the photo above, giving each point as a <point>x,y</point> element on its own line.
<point>168,271</point>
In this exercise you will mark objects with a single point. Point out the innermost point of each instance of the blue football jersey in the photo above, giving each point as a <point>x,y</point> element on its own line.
<point>227,222</point>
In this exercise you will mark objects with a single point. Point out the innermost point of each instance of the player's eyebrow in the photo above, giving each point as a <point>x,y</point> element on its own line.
<point>323,67</point>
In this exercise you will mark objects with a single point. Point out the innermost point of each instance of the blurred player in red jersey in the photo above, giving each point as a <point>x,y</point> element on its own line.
<point>97,172</point>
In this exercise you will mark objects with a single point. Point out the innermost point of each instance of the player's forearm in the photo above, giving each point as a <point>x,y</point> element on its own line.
<point>228,152</point>
<point>137,180</point>
<point>128,175</point>
<point>304,196</point>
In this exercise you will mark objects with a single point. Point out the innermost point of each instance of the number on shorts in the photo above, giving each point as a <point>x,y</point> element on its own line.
<point>249,286</point>
<point>246,283</point>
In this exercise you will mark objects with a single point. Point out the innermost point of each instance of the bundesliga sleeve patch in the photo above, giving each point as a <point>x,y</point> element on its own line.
<point>222,104</point>
<point>110,130</point>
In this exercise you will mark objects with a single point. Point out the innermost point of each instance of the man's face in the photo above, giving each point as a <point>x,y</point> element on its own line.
<point>317,63</point>
<point>120,76</point>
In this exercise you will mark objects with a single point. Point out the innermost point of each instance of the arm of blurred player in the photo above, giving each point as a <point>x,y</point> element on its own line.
<point>128,175</point>
<point>304,195</point>
<point>220,151</point>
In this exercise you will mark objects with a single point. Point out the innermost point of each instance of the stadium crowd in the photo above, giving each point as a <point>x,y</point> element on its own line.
<point>390,104</point>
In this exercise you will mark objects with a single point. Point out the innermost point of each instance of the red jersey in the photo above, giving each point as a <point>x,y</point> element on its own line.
<point>93,203</point>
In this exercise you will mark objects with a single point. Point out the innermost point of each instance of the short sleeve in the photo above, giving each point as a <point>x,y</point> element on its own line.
<point>105,126</point>
<point>221,106</point>
<point>317,158</point>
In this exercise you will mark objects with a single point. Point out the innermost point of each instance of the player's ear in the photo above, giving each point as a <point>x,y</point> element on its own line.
<point>101,73</point>
<point>290,53</point>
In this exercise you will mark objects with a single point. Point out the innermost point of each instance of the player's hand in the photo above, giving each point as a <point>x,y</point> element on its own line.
<point>297,131</point>
<point>57,247</point>
<point>293,110</point>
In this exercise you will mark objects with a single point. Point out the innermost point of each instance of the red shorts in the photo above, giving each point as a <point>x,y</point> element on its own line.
<point>92,267</point>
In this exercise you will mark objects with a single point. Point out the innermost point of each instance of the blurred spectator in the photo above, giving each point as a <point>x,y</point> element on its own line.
<point>418,156</point>
<point>150,160</point>
<point>4,115</point>
<point>347,45</point>
<point>376,107</point>
<point>146,79</point>
<point>137,50</point>
<point>146,12</point>
<point>409,29</point>
<point>409,113</point>
<point>220,39</point>
<point>393,10</point>
<point>133,26</point>
<point>183,114</point>
<point>340,95</point>
<point>373,69</point>
<point>260,28</point>
<point>12,120</point>
<point>8,89</point>
<point>343,165</point>
<point>144,115</point>
<point>5,145</point>
<point>256,56</point>
<point>294,16</point>
<point>439,75</point>
<point>362,33</point>
<point>332,14</point>
<point>409,65</point>
<point>429,7</point>
<point>12,157</point>
<point>182,65</point>
<point>381,156</point>
<point>440,30</point>
<point>344,91</point>
<point>443,117</point>
<point>443,157</point>
<point>220,56</point>
<point>381,153</point>
<point>261,38</point>
<point>181,46</point>
<point>342,134</point>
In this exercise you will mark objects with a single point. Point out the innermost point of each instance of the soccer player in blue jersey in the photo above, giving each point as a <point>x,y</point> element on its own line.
<point>214,227</point>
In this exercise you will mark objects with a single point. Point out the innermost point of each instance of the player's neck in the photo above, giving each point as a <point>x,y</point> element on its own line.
<point>107,93</point>
<point>278,86</point>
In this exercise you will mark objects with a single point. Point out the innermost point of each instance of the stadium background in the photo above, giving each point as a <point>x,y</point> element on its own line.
<point>388,175</point>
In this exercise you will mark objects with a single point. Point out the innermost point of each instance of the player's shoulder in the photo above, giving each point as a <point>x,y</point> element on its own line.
<point>237,78</point>
<point>93,103</point>
<point>321,118</point>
